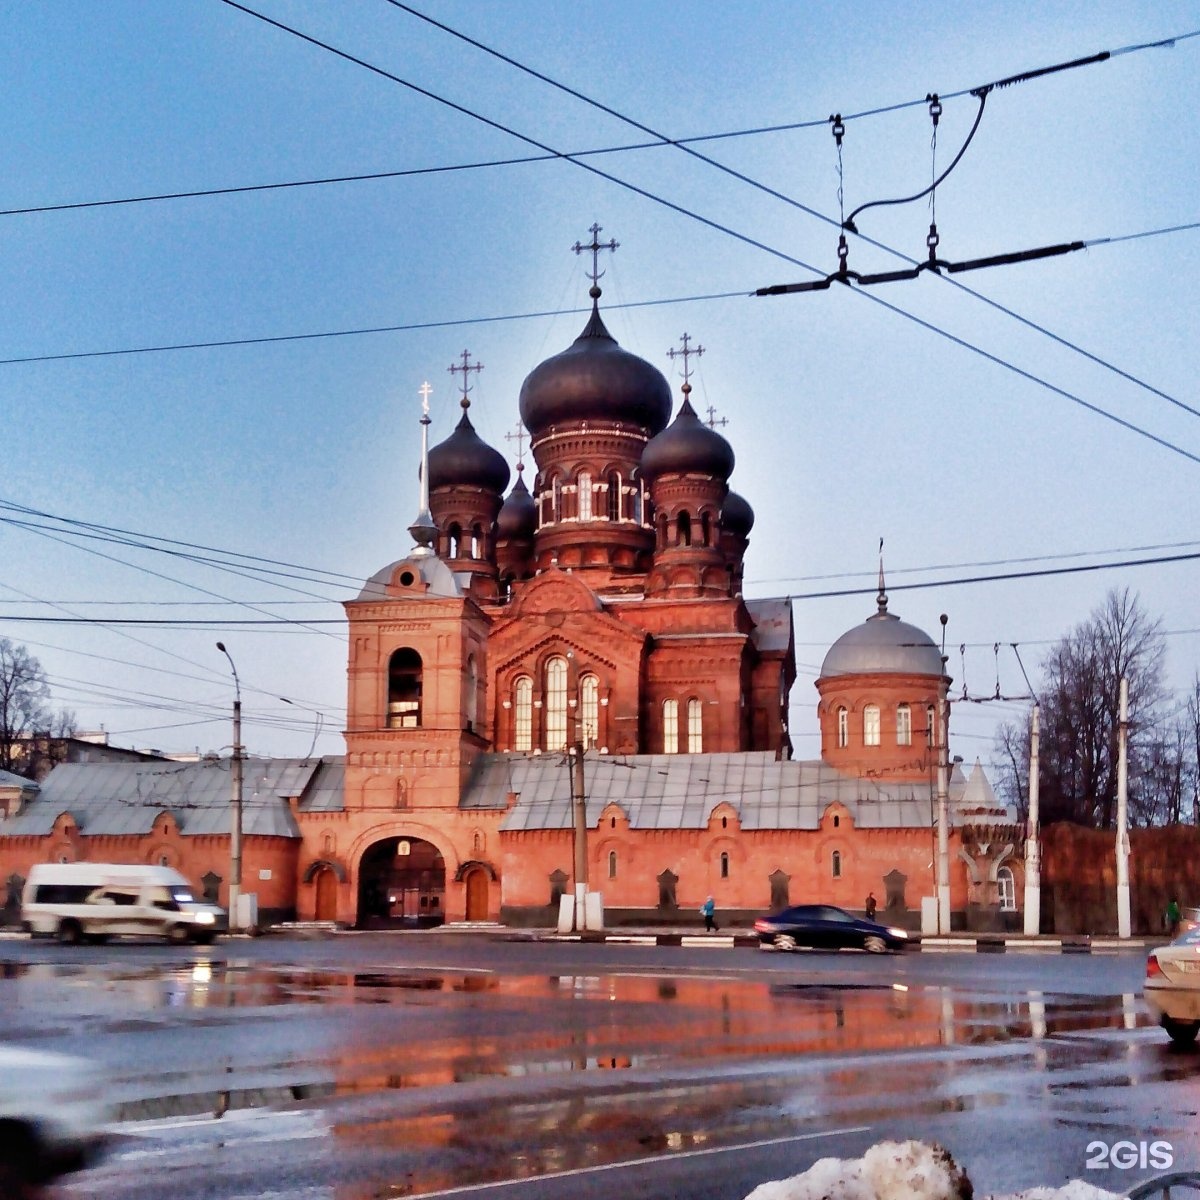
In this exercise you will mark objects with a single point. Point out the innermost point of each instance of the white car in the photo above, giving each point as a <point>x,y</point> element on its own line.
<point>1172,987</point>
<point>53,1115</point>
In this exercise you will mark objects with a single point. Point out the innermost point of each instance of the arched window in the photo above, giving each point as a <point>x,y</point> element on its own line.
<point>614,497</point>
<point>683,529</point>
<point>724,866</point>
<point>472,698</point>
<point>1006,889</point>
<point>843,728</point>
<point>454,536</point>
<point>556,704</point>
<point>556,507</point>
<point>705,529</point>
<point>836,863</point>
<point>523,713</point>
<point>477,541</point>
<point>584,485</point>
<point>871,725</point>
<point>695,718</point>
<point>670,711</point>
<point>903,725</point>
<point>404,690</point>
<point>639,503</point>
<point>589,706</point>
<point>931,725</point>
<point>612,864</point>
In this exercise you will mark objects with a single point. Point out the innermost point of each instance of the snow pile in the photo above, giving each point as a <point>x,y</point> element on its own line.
<point>902,1171</point>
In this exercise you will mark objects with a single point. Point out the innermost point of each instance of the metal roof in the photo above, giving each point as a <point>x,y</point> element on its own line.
<point>680,791</point>
<point>8,779</point>
<point>125,797</point>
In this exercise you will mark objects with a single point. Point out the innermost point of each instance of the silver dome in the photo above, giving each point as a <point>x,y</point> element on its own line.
<point>883,644</point>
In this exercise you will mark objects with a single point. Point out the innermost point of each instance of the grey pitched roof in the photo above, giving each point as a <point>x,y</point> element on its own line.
<point>125,798</point>
<point>772,624</point>
<point>8,779</point>
<point>680,791</point>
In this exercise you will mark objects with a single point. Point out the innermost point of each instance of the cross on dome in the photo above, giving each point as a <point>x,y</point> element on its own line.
<point>881,600</point>
<point>596,246</point>
<point>519,437</point>
<point>686,353</point>
<point>713,420</point>
<point>466,369</point>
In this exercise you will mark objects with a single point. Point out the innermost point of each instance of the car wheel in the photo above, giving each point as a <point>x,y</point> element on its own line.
<point>18,1159</point>
<point>785,941</point>
<point>203,939</point>
<point>874,944</point>
<point>1182,1033</point>
<point>177,934</point>
<point>69,933</point>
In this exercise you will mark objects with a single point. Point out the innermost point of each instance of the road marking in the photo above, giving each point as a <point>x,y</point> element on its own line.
<point>524,1181</point>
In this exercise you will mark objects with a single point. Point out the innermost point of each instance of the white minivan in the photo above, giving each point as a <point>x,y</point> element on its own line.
<point>92,902</point>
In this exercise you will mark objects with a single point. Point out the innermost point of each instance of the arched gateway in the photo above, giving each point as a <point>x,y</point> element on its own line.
<point>401,884</point>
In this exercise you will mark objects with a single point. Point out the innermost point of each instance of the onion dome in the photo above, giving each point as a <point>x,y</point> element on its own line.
<point>464,458</point>
<point>688,446</point>
<point>594,379</point>
<point>883,644</point>
<point>737,517</point>
<point>518,514</point>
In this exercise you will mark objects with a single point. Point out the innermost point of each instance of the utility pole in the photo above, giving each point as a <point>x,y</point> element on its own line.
<point>1033,849</point>
<point>943,815</point>
<point>579,799</point>
<point>235,835</point>
<point>1124,926</point>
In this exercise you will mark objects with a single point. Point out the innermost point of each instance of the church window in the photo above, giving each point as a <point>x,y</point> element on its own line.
<point>556,504</point>
<point>683,529</point>
<point>612,864</point>
<point>404,690</point>
<point>871,725</point>
<point>931,725</point>
<point>1006,889</point>
<point>477,541</point>
<point>470,708</point>
<point>556,704</point>
<point>614,497</point>
<point>836,863</point>
<point>639,503</point>
<point>705,529</point>
<point>843,730</point>
<point>903,725</point>
<point>670,711</point>
<point>585,495</point>
<point>589,704</point>
<point>695,719</point>
<point>523,714</point>
<point>454,535</point>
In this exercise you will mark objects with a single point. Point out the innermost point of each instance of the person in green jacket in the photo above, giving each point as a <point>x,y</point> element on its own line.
<point>1173,916</point>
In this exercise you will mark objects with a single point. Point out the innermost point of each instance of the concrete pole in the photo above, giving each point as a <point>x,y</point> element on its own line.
<point>235,833</point>
<point>1033,849</point>
<point>943,817</point>
<point>1124,925</point>
<point>578,796</point>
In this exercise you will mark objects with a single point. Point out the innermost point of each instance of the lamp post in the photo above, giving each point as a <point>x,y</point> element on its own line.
<point>235,836</point>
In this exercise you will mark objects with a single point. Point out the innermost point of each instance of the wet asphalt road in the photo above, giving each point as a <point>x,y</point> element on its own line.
<point>371,1066</point>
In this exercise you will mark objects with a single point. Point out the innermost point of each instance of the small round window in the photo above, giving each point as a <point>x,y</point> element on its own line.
<point>407,579</point>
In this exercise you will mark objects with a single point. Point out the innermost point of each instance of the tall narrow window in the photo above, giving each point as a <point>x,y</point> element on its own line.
<point>584,484</point>
<point>455,535</point>
<point>477,541</point>
<point>695,715</point>
<point>523,714</point>
<point>1006,890</point>
<point>903,725</point>
<point>612,864</point>
<point>724,866</point>
<point>705,529</point>
<point>404,690</point>
<point>683,529</point>
<point>471,704</point>
<point>556,507</point>
<point>614,497</point>
<point>589,705</point>
<point>837,864</point>
<point>931,725</point>
<point>871,725</point>
<point>556,704</point>
<point>843,732</point>
<point>670,712</point>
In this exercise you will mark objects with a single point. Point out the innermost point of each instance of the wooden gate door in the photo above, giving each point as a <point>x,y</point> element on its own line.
<point>477,895</point>
<point>326,895</point>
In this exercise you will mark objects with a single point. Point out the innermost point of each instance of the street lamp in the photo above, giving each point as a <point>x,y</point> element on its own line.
<point>235,837</point>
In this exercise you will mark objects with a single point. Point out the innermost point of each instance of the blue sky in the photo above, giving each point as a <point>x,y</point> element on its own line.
<point>854,414</point>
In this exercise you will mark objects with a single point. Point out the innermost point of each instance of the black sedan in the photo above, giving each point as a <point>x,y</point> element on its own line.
<point>824,927</point>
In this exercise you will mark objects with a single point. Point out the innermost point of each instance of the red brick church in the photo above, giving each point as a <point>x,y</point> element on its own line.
<point>600,606</point>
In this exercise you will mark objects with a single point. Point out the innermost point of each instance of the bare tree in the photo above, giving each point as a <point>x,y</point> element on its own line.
<point>29,730</point>
<point>1079,715</point>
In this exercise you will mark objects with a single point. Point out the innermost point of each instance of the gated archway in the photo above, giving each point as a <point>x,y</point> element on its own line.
<point>401,884</point>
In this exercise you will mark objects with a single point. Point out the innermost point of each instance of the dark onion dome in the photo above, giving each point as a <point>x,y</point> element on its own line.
<point>737,517</point>
<point>594,379</point>
<point>883,644</point>
<point>688,446</point>
<point>518,513</point>
<point>464,458</point>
